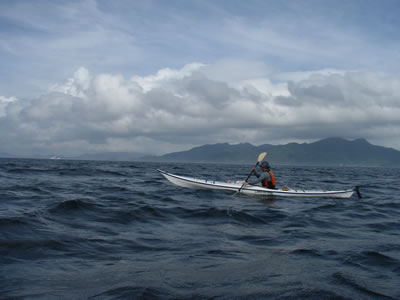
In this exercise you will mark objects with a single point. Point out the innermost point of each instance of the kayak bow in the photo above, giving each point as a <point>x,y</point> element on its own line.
<point>234,186</point>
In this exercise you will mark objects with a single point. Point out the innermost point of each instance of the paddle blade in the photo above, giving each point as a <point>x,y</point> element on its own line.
<point>261,156</point>
<point>357,189</point>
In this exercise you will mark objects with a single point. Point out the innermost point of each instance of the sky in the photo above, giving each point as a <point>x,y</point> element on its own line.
<point>160,76</point>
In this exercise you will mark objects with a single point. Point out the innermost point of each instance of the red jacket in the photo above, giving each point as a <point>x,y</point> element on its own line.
<point>270,183</point>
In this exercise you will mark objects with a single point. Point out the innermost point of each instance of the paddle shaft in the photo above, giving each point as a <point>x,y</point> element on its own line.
<point>260,158</point>
<point>251,173</point>
<point>248,176</point>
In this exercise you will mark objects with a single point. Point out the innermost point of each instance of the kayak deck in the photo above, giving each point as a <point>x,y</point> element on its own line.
<point>235,186</point>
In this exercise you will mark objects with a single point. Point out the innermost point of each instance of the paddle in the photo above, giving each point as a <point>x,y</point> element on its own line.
<point>260,158</point>
<point>357,189</point>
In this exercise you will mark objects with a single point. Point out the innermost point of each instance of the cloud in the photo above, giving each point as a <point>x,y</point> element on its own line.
<point>271,72</point>
<point>4,101</point>
<point>175,109</point>
<point>43,41</point>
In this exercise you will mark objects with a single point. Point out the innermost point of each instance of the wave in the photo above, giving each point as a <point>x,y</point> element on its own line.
<point>111,215</point>
<point>142,214</point>
<point>133,292</point>
<point>19,170</point>
<point>376,259</point>
<point>110,173</point>
<point>307,252</point>
<point>73,205</point>
<point>19,247</point>
<point>359,285</point>
<point>7,222</point>
<point>379,226</point>
<point>146,213</point>
<point>113,189</point>
<point>217,215</point>
<point>256,240</point>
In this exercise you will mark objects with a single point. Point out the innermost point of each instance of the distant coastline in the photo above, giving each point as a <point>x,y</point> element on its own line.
<point>337,152</point>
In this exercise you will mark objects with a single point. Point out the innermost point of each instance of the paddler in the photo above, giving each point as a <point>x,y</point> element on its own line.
<point>266,177</point>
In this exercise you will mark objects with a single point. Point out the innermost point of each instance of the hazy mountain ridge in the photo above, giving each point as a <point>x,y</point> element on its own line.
<point>329,152</point>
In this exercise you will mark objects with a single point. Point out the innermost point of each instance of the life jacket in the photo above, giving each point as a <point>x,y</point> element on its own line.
<point>269,184</point>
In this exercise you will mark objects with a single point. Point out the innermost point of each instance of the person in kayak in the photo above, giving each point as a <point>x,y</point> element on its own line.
<point>267,178</point>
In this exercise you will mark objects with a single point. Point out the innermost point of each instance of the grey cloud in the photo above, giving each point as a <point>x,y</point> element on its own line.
<point>327,94</point>
<point>215,93</point>
<point>180,109</point>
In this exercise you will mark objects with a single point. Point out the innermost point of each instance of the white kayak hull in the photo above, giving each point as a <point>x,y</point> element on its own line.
<point>234,186</point>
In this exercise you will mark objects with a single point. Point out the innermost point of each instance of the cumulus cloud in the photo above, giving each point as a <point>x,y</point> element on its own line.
<point>175,109</point>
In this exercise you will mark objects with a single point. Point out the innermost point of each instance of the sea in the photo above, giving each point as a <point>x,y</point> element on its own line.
<point>119,230</point>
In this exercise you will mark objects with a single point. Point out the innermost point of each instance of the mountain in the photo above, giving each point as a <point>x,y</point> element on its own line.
<point>326,152</point>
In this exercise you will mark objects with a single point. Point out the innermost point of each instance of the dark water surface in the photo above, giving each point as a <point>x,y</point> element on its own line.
<point>105,230</point>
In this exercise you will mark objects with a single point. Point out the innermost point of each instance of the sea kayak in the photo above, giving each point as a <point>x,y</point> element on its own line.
<point>235,186</point>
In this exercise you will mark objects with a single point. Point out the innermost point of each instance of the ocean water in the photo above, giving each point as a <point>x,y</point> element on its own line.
<point>119,230</point>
